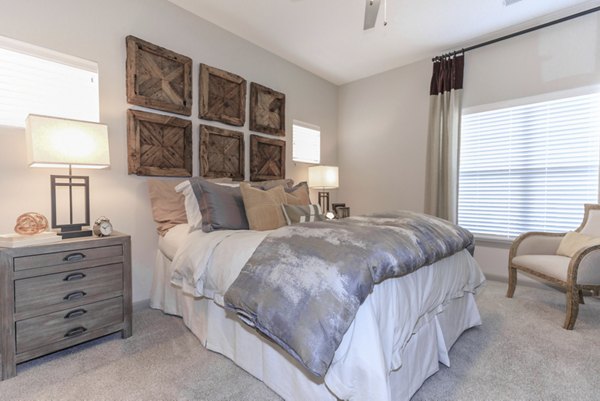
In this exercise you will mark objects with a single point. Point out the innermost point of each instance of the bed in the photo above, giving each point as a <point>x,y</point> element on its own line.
<point>387,352</point>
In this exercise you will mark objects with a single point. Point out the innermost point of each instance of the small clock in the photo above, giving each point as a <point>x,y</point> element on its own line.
<point>103,227</point>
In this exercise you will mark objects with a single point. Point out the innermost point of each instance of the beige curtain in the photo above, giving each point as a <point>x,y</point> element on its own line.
<point>443,144</point>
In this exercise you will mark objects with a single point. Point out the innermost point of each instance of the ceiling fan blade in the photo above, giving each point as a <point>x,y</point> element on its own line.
<point>371,10</point>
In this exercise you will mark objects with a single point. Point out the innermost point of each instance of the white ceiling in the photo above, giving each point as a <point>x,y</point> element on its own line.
<point>326,37</point>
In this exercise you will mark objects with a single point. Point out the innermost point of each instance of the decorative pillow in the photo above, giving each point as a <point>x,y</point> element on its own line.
<point>573,242</point>
<point>298,195</point>
<point>168,208</point>
<point>295,214</point>
<point>192,208</point>
<point>287,183</point>
<point>220,206</point>
<point>263,208</point>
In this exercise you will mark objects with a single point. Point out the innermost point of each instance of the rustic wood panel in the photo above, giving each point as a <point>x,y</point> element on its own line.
<point>221,153</point>
<point>37,292</point>
<point>54,327</point>
<point>267,158</point>
<point>9,320</point>
<point>267,110</point>
<point>158,78</point>
<point>66,257</point>
<point>159,145</point>
<point>87,336</point>
<point>7,323</point>
<point>222,96</point>
<point>127,293</point>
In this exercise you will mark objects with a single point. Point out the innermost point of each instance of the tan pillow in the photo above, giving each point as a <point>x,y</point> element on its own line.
<point>168,206</point>
<point>573,242</point>
<point>263,208</point>
<point>298,195</point>
<point>287,183</point>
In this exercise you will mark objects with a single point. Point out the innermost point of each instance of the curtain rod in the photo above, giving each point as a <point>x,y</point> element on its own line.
<point>519,33</point>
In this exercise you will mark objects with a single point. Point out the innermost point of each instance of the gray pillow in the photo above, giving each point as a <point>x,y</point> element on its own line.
<point>295,214</point>
<point>222,207</point>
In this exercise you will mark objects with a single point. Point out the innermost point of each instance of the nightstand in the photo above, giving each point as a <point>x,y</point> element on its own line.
<point>57,295</point>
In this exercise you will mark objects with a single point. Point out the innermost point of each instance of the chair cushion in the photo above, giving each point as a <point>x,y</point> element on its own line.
<point>573,242</point>
<point>551,265</point>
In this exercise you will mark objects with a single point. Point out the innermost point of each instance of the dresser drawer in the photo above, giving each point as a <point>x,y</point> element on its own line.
<point>54,327</point>
<point>62,289</point>
<point>66,257</point>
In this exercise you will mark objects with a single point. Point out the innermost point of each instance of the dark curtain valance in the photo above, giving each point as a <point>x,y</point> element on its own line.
<point>447,74</point>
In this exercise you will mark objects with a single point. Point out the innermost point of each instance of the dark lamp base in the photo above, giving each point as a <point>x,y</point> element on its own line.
<point>324,201</point>
<point>74,231</point>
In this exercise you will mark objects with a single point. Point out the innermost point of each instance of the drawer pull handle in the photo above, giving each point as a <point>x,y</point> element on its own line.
<point>75,313</point>
<point>74,295</point>
<point>74,257</point>
<point>75,332</point>
<point>74,276</point>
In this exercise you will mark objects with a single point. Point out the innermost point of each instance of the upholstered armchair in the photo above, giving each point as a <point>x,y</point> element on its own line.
<point>536,253</point>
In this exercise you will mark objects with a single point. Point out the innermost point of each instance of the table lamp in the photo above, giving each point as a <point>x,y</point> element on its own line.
<point>323,177</point>
<point>60,142</point>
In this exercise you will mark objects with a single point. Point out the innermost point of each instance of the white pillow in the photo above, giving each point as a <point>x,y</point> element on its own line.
<point>192,210</point>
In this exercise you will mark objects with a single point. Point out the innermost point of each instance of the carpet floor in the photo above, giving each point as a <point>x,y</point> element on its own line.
<point>520,352</point>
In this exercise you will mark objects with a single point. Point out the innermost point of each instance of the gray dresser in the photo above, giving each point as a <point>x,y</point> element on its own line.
<point>58,295</point>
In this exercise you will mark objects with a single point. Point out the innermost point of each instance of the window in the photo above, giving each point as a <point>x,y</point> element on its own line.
<point>34,80</point>
<point>307,143</point>
<point>529,167</point>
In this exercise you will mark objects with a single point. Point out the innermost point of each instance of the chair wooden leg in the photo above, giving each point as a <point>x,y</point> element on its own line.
<point>572,308</point>
<point>512,281</point>
<point>581,301</point>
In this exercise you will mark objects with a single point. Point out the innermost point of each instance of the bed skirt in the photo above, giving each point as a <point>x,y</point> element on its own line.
<point>221,331</point>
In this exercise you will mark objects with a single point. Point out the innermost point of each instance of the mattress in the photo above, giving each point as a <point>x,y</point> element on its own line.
<point>379,358</point>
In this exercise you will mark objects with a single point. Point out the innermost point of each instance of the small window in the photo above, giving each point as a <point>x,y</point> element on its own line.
<point>34,80</point>
<point>307,143</point>
<point>529,167</point>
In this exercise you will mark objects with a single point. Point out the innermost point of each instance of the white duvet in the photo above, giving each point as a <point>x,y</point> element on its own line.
<point>205,265</point>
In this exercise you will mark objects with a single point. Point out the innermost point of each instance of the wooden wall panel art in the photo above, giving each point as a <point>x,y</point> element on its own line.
<point>158,78</point>
<point>222,96</point>
<point>158,145</point>
<point>267,110</point>
<point>221,153</point>
<point>267,158</point>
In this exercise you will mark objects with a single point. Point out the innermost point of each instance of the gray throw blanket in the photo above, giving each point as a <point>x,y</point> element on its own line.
<point>304,283</point>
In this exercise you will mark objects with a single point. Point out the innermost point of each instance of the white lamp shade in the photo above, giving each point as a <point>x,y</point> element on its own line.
<point>60,142</point>
<point>323,177</point>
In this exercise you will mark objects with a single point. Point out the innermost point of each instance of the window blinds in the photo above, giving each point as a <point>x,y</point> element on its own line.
<point>35,80</point>
<point>306,143</point>
<point>530,167</point>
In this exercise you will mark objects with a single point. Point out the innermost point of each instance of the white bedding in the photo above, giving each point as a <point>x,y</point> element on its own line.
<point>172,240</point>
<point>206,264</point>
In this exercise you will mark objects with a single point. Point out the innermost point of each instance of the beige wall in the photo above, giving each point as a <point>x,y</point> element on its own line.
<point>382,119</point>
<point>382,124</point>
<point>96,30</point>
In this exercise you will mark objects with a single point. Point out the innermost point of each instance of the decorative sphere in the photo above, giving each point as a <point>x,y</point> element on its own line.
<point>31,223</point>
